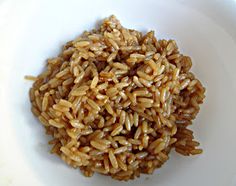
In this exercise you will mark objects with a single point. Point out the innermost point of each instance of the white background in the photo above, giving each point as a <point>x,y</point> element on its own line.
<point>32,31</point>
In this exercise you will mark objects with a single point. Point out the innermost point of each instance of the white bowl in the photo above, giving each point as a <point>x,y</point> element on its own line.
<point>32,31</point>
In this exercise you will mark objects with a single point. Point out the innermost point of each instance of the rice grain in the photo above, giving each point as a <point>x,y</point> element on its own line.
<point>116,101</point>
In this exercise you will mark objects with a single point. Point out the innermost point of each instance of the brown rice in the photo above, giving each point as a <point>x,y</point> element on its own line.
<point>116,101</point>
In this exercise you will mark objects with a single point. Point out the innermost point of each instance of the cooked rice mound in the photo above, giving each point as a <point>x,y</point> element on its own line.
<point>116,101</point>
